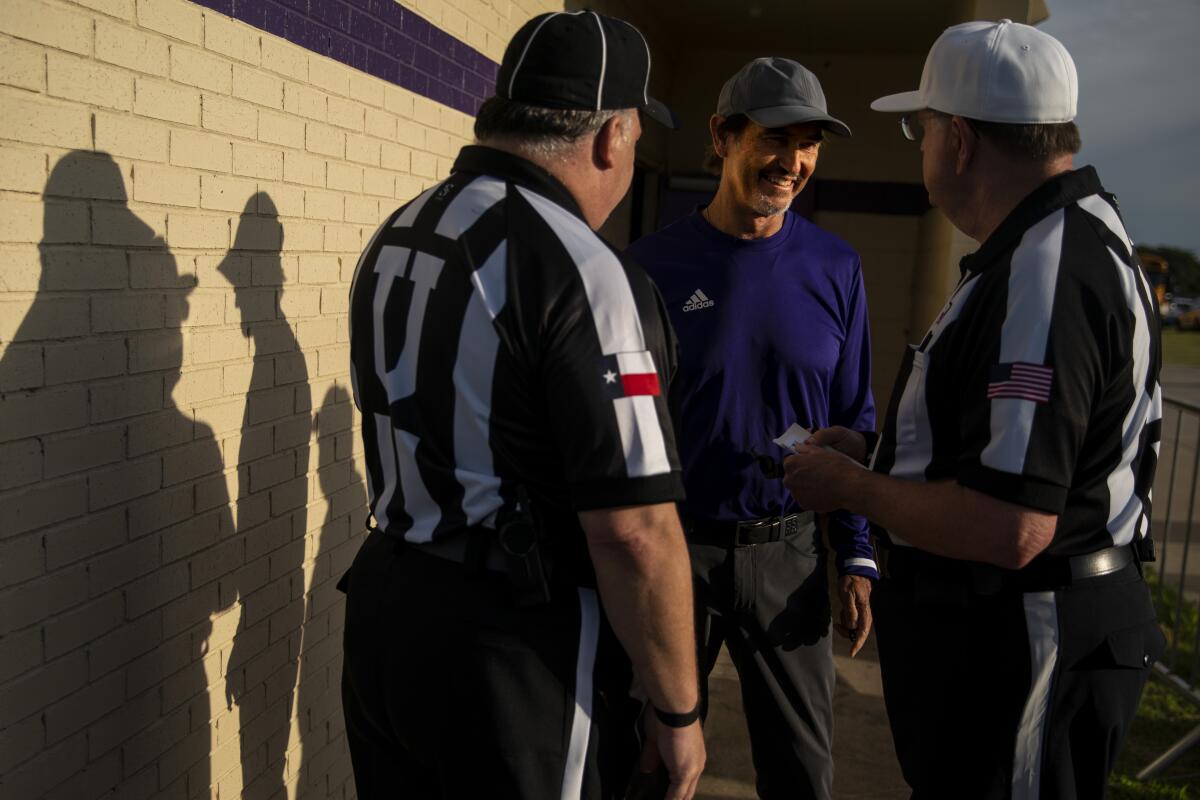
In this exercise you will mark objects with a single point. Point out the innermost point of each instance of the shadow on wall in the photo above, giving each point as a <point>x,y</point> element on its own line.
<point>149,644</point>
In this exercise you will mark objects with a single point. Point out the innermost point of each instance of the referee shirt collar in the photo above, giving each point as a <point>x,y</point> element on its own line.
<point>1058,192</point>
<point>480,160</point>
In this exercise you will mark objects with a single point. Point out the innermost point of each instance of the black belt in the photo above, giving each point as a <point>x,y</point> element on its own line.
<point>747,532</point>
<point>1043,573</point>
<point>475,548</point>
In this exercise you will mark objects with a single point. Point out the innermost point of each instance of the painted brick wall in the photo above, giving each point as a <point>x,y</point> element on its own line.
<point>183,197</point>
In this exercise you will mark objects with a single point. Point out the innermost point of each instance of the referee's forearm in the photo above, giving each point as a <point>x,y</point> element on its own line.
<point>645,583</point>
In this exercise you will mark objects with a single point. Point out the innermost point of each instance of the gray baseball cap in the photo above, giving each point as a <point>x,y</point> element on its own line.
<point>776,92</point>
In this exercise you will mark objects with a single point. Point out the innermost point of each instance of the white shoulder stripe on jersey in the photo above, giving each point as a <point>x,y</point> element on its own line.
<point>474,368</point>
<point>1098,207</point>
<point>469,205</point>
<point>618,327</point>
<point>406,218</point>
<point>581,720</point>
<point>1033,277</point>
<point>1041,625</point>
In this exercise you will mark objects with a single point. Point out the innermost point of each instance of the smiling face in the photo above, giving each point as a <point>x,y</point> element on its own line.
<point>765,168</point>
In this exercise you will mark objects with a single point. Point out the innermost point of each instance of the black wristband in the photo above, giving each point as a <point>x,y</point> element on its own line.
<point>677,720</point>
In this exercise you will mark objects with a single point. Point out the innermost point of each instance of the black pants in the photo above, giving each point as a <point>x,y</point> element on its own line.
<point>450,691</point>
<point>1012,695</point>
<point>769,604</point>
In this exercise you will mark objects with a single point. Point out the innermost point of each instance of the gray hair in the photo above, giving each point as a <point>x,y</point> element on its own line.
<point>544,132</point>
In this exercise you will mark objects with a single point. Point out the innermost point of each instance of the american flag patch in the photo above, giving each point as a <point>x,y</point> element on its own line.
<point>629,374</point>
<point>1021,381</point>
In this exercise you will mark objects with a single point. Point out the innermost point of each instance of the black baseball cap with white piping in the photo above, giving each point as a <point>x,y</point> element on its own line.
<point>580,60</point>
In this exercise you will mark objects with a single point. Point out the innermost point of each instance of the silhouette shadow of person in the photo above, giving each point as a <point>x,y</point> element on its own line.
<point>90,374</point>
<point>318,703</point>
<point>272,500</point>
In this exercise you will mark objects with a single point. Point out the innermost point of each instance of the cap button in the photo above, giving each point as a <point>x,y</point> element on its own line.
<point>1005,21</point>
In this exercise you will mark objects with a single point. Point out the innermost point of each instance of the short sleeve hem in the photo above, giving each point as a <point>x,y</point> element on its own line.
<point>1017,489</point>
<point>617,492</point>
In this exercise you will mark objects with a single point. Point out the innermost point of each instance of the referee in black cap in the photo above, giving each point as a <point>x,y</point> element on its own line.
<point>525,565</point>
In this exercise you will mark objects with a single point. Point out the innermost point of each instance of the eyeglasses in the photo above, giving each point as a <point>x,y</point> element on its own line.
<point>912,127</point>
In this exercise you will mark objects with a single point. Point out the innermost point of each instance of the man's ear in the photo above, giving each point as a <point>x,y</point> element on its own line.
<point>718,144</point>
<point>965,142</point>
<point>608,141</point>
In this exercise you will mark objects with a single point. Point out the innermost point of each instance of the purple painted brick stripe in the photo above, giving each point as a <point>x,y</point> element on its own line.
<point>378,37</point>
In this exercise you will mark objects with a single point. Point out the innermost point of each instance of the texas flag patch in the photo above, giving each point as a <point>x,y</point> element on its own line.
<point>629,374</point>
<point>1021,381</point>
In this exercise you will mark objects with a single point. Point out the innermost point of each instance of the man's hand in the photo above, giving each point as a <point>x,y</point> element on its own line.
<point>679,750</point>
<point>844,440</point>
<point>855,593</point>
<point>819,478</point>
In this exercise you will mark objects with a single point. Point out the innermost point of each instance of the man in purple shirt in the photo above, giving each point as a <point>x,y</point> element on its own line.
<point>772,321</point>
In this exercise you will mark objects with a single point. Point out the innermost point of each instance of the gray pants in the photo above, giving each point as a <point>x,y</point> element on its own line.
<point>769,605</point>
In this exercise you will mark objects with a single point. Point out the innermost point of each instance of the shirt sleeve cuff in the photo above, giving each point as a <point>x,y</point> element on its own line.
<point>617,492</point>
<point>1020,490</point>
<point>852,544</point>
<point>863,567</point>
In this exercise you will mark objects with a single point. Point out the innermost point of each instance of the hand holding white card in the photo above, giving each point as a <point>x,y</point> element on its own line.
<point>797,434</point>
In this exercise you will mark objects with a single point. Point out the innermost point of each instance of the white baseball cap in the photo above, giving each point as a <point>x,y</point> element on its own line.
<point>996,72</point>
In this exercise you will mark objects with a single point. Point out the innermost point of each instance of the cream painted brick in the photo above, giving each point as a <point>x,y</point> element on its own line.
<point>410,134</point>
<point>114,485</point>
<point>257,162</point>
<point>85,81</point>
<point>126,47</point>
<point>75,362</point>
<point>84,269</point>
<point>166,101</point>
<point>122,9</point>
<point>44,412</point>
<point>54,26</point>
<point>334,360</point>
<point>303,168</point>
<point>257,87</point>
<point>324,205</point>
<point>22,270</point>
<point>38,122</point>
<point>454,22</point>
<point>305,101</point>
<point>408,187</point>
<point>75,452</point>
<point>206,308</point>
<point>395,157</point>
<point>348,114</point>
<point>169,186</point>
<point>61,317</point>
<point>20,368</point>
<point>127,312</point>
<point>131,137</point>
<point>202,70</point>
<point>198,386</point>
<point>329,75</point>
<point>444,167</point>
<point>335,300</point>
<point>476,35</point>
<point>161,271</point>
<point>221,193</point>
<point>21,170</point>
<point>175,18</point>
<point>363,210</point>
<point>200,150</point>
<point>222,345</point>
<point>427,112</point>
<point>259,233</point>
<point>222,271</point>
<point>233,39</point>
<point>194,230</point>
<point>288,200</point>
<point>363,149</point>
<point>22,65</point>
<point>297,304</point>
<point>91,175</point>
<point>319,268</point>
<point>285,58</point>
<point>439,143</point>
<point>380,124</point>
<point>116,225</point>
<point>230,116</point>
<point>305,236</point>
<point>344,238</point>
<point>21,219</point>
<point>379,182</point>
<point>344,177</point>
<point>281,129</point>
<point>398,101</point>
<point>324,139</point>
<point>366,89</point>
<point>424,165</point>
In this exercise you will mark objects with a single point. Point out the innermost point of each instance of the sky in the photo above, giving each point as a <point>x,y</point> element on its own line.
<point>1139,108</point>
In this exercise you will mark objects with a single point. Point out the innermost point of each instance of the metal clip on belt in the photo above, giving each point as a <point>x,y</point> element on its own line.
<point>748,532</point>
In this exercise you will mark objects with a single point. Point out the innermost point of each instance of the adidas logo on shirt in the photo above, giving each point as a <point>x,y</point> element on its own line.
<point>697,301</point>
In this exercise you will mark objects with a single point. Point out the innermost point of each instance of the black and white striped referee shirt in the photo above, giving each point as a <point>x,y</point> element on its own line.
<point>496,339</point>
<point>1038,382</point>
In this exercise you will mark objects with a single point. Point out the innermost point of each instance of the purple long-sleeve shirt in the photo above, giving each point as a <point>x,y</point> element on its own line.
<point>772,331</point>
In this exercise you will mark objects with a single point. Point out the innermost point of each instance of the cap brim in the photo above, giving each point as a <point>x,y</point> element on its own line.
<point>899,103</point>
<point>657,111</point>
<point>782,116</point>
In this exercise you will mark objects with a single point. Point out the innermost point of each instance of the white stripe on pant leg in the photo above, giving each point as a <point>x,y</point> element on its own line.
<point>1041,623</point>
<point>581,725</point>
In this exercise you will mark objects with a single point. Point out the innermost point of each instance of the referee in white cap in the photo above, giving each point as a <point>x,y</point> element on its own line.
<point>1010,489</point>
<point>511,367</point>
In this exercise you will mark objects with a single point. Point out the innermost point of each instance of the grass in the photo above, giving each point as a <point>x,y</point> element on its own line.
<point>1181,347</point>
<point>1163,718</point>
